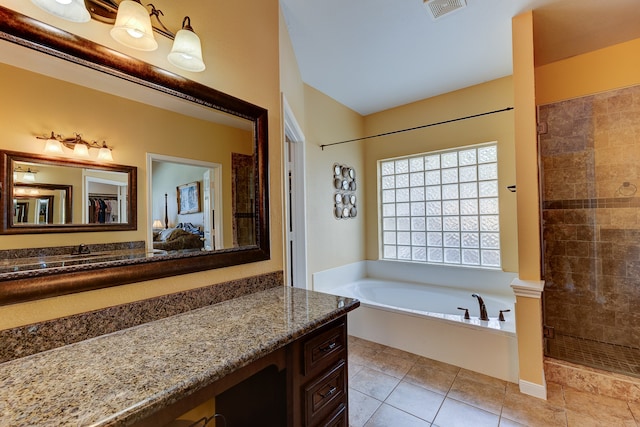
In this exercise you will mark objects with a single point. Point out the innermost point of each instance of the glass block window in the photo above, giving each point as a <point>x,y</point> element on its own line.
<point>442,207</point>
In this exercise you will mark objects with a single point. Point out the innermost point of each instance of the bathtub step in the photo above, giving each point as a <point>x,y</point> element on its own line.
<point>592,380</point>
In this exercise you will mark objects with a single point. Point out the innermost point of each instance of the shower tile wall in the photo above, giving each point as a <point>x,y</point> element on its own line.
<point>590,170</point>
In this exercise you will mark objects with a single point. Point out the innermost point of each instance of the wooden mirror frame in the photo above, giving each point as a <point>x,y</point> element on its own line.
<point>31,285</point>
<point>6,178</point>
<point>68,189</point>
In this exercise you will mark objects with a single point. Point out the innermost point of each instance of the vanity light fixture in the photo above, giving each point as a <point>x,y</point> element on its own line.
<point>186,52</point>
<point>21,191</point>
<point>81,150</point>
<point>28,174</point>
<point>79,146</point>
<point>104,153</point>
<point>71,10</point>
<point>133,27</point>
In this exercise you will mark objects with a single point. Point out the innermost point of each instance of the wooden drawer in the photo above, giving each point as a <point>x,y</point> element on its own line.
<point>337,419</point>
<point>321,349</point>
<point>322,396</point>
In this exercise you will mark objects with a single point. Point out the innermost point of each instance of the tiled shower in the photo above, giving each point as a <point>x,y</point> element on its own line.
<point>589,151</point>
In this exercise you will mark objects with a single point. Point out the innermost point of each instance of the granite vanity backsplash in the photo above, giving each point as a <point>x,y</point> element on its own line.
<point>14,254</point>
<point>34,259</point>
<point>30,339</point>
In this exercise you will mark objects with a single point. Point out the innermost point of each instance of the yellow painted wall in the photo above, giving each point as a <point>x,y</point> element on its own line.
<point>332,242</point>
<point>598,71</point>
<point>241,48</point>
<point>491,96</point>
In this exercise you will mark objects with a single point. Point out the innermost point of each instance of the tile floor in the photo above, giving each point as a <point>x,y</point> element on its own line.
<point>389,387</point>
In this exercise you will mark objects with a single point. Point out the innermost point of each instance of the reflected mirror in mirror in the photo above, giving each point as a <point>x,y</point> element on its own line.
<point>46,195</point>
<point>41,203</point>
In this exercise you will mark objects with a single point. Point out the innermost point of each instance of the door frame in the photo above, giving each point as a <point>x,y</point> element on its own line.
<point>296,242</point>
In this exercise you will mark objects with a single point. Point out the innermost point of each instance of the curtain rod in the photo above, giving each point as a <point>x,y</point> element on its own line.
<point>418,127</point>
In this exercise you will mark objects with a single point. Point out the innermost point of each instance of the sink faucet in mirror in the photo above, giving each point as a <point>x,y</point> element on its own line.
<point>82,249</point>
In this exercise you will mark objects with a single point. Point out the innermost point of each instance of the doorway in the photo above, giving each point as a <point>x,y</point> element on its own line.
<point>166,174</point>
<point>295,212</point>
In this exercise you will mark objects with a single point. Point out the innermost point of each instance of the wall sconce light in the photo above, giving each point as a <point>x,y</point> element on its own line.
<point>71,10</point>
<point>21,191</point>
<point>79,146</point>
<point>28,174</point>
<point>186,52</point>
<point>133,27</point>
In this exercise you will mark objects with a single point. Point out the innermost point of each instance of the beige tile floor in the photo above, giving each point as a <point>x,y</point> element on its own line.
<point>389,387</point>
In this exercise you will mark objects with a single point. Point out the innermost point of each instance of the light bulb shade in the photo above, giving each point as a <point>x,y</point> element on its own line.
<point>81,150</point>
<point>133,27</point>
<point>71,10</point>
<point>186,52</point>
<point>157,223</point>
<point>53,146</point>
<point>29,177</point>
<point>105,154</point>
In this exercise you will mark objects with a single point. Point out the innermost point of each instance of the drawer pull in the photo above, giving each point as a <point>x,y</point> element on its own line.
<point>329,347</point>
<point>329,393</point>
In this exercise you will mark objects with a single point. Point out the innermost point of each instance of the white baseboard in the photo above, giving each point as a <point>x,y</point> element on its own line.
<point>533,389</point>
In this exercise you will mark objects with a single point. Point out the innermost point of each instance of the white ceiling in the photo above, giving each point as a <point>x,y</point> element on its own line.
<point>371,55</point>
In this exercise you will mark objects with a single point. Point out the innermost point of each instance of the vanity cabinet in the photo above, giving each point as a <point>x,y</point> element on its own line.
<point>319,377</point>
<point>304,384</point>
<point>273,358</point>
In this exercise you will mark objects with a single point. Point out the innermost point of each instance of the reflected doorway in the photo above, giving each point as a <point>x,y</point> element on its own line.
<point>167,175</point>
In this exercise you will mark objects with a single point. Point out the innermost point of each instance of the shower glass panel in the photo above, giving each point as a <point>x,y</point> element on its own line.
<point>589,173</point>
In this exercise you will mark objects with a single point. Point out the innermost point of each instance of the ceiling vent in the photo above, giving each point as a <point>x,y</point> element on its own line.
<point>440,8</point>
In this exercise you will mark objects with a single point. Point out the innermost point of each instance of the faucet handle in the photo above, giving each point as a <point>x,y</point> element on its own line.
<point>466,313</point>
<point>501,316</point>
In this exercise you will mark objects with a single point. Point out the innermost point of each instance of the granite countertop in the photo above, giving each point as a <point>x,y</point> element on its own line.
<point>121,378</point>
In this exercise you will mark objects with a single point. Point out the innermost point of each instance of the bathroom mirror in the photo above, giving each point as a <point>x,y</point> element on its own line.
<point>104,198</point>
<point>45,199</point>
<point>44,41</point>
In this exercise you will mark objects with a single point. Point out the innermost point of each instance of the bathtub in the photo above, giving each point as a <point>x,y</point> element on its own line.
<point>423,318</point>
